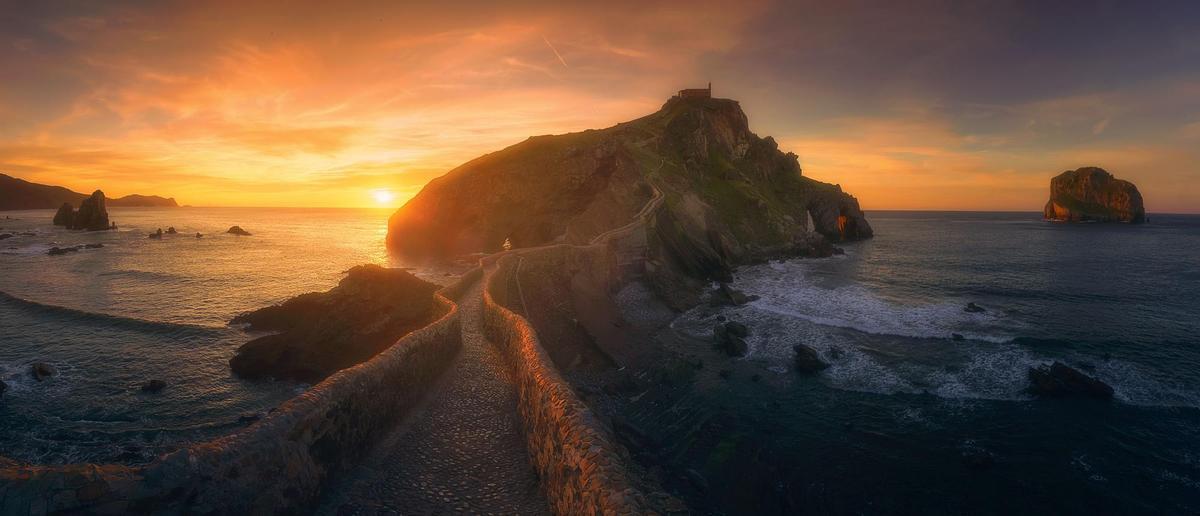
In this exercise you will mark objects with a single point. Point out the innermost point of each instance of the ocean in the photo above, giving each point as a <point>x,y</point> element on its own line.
<point>112,318</point>
<point>906,419</point>
<point>909,420</point>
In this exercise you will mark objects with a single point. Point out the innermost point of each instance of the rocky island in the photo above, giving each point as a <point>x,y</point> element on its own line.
<point>1091,194</point>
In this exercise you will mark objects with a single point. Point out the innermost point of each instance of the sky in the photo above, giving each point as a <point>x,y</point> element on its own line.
<point>943,105</point>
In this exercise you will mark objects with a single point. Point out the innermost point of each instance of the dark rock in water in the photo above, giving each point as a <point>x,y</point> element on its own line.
<point>65,215</point>
<point>727,341</point>
<point>5,236</point>
<point>974,308</point>
<point>957,336</point>
<point>157,235</point>
<point>41,370</point>
<point>198,235</point>
<point>808,360</point>
<point>92,214</point>
<point>249,418</point>
<point>56,251</point>
<point>320,333</point>
<point>237,230</point>
<point>154,386</point>
<point>1060,380</point>
<point>171,230</point>
<point>1091,194</point>
<point>737,328</point>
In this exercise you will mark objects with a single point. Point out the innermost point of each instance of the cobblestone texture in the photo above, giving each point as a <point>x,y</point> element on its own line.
<point>463,452</point>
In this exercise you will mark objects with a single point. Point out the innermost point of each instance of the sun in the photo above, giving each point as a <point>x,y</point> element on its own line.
<point>383,196</point>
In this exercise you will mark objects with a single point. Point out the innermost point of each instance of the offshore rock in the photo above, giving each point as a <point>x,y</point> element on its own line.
<point>65,215</point>
<point>92,214</point>
<point>1091,194</point>
<point>321,333</point>
<point>237,230</point>
<point>1060,380</point>
<point>807,360</point>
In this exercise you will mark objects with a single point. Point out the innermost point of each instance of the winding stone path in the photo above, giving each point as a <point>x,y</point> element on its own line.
<point>462,451</point>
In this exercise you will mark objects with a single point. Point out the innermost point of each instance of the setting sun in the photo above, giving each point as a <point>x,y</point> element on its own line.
<point>383,197</point>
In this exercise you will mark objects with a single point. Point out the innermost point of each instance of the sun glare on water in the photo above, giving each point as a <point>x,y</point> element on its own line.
<point>383,197</point>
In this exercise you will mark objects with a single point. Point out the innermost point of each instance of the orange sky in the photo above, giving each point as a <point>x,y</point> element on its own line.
<point>321,104</point>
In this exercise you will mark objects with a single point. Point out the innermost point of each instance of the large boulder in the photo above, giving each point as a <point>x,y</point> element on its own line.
<point>65,215</point>
<point>730,338</point>
<point>92,214</point>
<point>321,333</point>
<point>1061,380</point>
<point>1091,194</point>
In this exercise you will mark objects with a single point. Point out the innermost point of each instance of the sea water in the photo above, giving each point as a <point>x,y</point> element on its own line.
<point>901,418</point>
<point>111,318</point>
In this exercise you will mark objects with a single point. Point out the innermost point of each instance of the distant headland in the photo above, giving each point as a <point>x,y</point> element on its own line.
<point>18,194</point>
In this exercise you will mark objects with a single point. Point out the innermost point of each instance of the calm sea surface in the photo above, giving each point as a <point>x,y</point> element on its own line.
<point>137,309</point>
<point>899,421</point>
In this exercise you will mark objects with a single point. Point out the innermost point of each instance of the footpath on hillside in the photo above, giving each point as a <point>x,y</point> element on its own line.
<point>461,451</point>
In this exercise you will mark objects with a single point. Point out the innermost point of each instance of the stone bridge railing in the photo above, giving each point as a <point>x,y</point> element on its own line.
<point>277,465</point>
<point>581,466</point>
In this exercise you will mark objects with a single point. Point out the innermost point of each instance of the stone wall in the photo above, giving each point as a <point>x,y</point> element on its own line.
<point>277,465</point>
<point>575,456</point>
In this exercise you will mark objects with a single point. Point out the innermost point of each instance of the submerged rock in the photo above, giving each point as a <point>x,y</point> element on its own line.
<point>237,230</point>
<point>1060,380</point>
<point>320,333</point>
<point>731,342</point>
<point>171,230</point>
<point>974,308</point>
<point>41,370</point>
<point>1091,194</point>
<point>56,251</point>
<point>154,386</point>
<point>808,360</point>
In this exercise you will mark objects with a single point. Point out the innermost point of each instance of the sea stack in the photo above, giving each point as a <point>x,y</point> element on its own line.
<point>65,215</point>
<point>1091,194</point>
<point>92,214</point>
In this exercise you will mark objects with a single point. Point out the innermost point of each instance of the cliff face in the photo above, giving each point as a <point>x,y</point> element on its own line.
<point>729,195</point>
<point>1092,194</point>
<point>18,194</point>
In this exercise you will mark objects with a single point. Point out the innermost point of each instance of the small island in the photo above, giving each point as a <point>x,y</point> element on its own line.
<point>1091,194</point>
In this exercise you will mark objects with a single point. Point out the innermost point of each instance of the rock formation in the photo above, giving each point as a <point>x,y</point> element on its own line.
<point>1092,194</point>
<point>65,215</point>
<point>730,197</point>
<point>236,230</point>
<point>321,333</point>
<point>92,214</point>
<point>1059,379</point>
<point>807,359</point>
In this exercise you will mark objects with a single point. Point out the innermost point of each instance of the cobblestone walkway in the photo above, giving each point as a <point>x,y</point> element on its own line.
<point>462,451</point>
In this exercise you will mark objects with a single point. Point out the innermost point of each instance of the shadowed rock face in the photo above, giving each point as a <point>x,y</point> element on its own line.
<point>321,333</point>
<point>65,215</point>
<point>1092,194</point>
<point>729,196</point>
<point>92,214</point>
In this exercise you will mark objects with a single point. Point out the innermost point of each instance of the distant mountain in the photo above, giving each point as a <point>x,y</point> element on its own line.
<point>18,194</point>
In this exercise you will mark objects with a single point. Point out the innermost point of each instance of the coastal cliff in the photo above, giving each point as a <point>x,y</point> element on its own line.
<point>1091,194</point>
<point>18,194</point>
<point>729,196</point>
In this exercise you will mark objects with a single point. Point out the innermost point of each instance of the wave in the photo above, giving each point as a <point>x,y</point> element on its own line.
<point>141,275</point>
<point>109,320</point>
